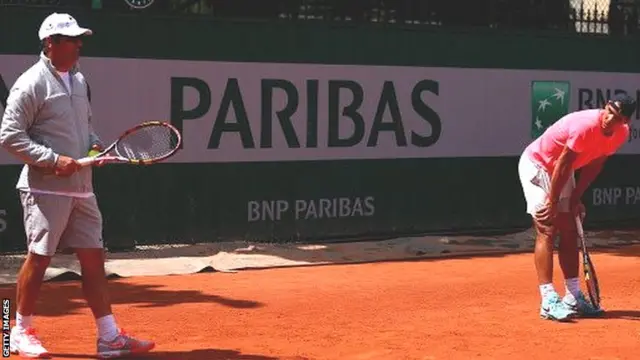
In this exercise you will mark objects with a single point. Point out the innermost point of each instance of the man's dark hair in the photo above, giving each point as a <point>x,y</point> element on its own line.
<point>627,104</point>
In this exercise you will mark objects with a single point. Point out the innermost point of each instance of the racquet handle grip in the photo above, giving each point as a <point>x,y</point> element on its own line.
<point>579,225</point>
<point>86,161</point>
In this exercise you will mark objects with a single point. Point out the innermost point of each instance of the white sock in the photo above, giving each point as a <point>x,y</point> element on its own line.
<point>573,287</point>
<point>107,328</point>
<point>23,322</point>
<point>546,290</point>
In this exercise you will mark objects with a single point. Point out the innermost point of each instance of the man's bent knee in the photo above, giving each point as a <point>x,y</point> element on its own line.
<point>91,259</point>
<point>543,232</point>
<point>566,224</point>
<point>544,238</point>
<point>37,261</point>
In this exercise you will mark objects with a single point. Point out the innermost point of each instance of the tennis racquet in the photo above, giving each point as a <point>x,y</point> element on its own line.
<point>590,276</point>
<point>147,143</point>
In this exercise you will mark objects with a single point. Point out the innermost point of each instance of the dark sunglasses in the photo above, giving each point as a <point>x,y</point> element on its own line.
<point>74,39</point>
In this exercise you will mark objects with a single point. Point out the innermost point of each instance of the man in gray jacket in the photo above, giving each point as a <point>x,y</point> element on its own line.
<point>47,125</point>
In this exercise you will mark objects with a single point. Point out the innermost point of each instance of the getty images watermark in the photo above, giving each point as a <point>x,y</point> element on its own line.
<point>6,329</point>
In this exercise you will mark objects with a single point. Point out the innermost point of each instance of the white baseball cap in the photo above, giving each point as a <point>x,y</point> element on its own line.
<point>61,24</point>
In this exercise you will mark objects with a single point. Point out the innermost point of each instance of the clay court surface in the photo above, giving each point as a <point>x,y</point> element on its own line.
<point>459,308</point>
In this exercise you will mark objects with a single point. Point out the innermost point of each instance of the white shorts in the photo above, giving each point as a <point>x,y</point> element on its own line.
<point>536,183</point>
<point>55,222</point>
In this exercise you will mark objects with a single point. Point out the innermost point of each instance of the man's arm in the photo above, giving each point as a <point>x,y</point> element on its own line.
<point>588,173</point>
<point>561,173</point>
<point>18,117</point>
<point>95,141</point>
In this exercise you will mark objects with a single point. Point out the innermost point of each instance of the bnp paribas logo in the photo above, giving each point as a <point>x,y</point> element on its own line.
<point>549,102</point>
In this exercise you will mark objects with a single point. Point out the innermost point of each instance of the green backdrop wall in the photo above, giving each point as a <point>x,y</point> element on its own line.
<point>211,201</point>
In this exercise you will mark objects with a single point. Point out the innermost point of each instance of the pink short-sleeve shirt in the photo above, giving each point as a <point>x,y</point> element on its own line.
<point>581,132</point>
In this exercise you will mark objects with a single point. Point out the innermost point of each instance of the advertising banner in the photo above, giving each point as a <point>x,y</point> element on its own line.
<point>258,112</point>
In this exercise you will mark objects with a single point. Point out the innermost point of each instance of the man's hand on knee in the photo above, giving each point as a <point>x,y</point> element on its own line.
<point>545,216</point>
<point>547,229</point>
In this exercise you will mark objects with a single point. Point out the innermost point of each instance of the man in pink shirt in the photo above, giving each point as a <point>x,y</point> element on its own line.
<point>580,140</point>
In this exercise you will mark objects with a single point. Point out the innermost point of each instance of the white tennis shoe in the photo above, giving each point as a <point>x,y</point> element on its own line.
<point>25,342</point>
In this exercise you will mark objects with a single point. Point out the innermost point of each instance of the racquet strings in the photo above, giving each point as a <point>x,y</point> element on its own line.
<point>147,143</point>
